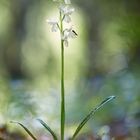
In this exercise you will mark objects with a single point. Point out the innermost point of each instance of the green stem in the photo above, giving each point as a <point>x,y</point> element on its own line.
<point>62,82</point>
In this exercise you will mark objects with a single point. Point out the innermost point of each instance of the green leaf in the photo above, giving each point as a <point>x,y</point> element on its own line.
<point>26,129</point>
<point>85,120</point>
<point>48,128</point>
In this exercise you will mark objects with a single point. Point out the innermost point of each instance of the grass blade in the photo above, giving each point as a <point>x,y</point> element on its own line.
<point>48,128</point>
<point>26,129</point>
<point>85,120</point>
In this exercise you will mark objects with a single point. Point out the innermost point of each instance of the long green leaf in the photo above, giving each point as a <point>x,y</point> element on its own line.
<point>26,129</point>
<point>48,128</point>
<point>85,120</point>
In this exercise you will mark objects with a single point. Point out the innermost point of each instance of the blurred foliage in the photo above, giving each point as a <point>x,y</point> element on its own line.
<point>103,60</point>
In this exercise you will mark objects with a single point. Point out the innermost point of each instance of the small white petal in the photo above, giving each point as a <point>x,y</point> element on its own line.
<point>71,10</point>
<point>54,24</point>
<point>51,21</point>
<point>67,1</point>
<point>54,28</point>
<point>72,34</point>
<point>66,10</point>
<point>68,33</point>
<point>66,43</point>
<point>67,18</point>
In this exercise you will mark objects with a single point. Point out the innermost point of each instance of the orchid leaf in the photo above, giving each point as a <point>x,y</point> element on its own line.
<point>48,128</point>
<point>26,129</point>
<point>85,120</point>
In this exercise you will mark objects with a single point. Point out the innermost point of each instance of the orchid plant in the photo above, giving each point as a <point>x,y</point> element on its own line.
<point>65,11</point>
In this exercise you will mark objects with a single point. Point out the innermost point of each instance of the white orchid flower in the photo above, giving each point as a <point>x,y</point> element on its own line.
<point>66,11</point>
<point>67,34</point>
<point>54,24</point>
<point>70,33</point>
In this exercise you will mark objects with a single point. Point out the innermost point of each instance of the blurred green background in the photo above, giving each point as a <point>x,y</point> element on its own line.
<point>103,60</point>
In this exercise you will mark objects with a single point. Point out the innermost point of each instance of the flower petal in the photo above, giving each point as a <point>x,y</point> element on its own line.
<point>67,18</point>
<point>54,28</point>
<point>72,34</point>
<point>66,10</point>
<point>66,43</point>
<point>67,1</point>
<point>52,21</point>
